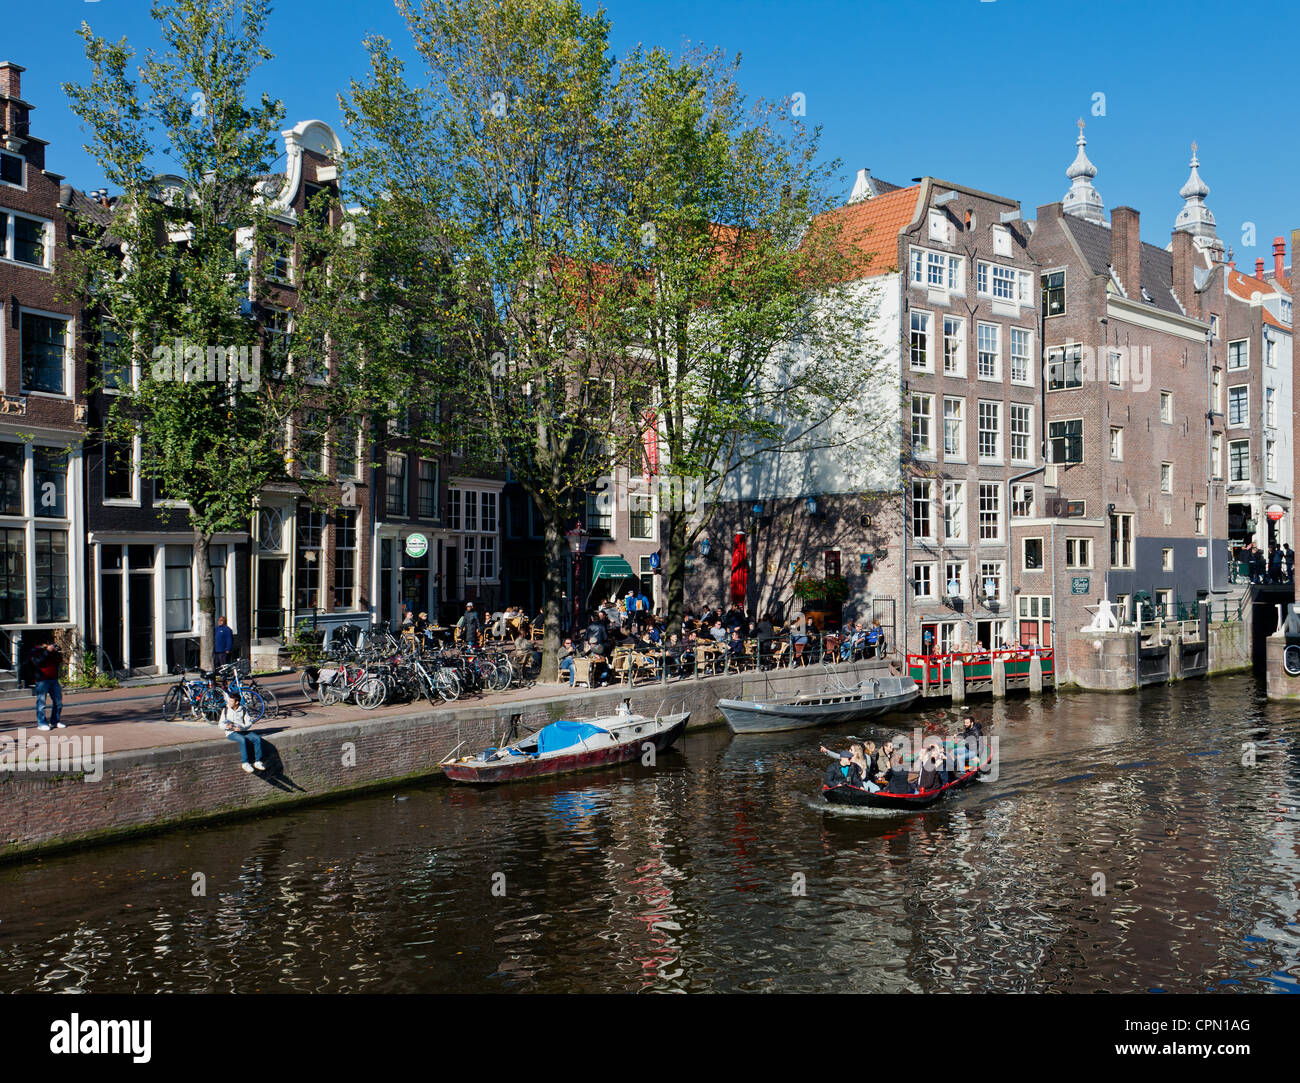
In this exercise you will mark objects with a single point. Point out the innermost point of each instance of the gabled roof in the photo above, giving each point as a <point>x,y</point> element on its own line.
<point>870,229</point>
<point>1157,268</point>
<point>1243,286</point>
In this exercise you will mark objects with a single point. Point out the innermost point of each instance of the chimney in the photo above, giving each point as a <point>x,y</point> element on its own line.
<point>11,78</point>
<point>1259,268</point>
<point>1279,257</point>
<point>863,187</point>
<point>1126,250</point>
<point>1184,261</point>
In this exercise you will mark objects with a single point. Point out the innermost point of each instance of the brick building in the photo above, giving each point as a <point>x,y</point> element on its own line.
<point>42,381</point>
<point>1134,334</point>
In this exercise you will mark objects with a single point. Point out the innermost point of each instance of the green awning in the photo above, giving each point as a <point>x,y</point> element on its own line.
<point>610,568</point>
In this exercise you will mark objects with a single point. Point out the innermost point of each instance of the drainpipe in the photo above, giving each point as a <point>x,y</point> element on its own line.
<point>1209,459</point>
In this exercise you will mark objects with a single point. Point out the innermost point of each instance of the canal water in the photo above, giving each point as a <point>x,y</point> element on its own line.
<point>1128,843</point>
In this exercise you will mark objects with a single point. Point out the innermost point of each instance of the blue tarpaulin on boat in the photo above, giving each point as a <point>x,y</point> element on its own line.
<point>562,734</point>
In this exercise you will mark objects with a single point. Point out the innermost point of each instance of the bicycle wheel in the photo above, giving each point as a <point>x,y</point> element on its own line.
<point>172,703</point>
<point>308,682</point>
<point>370,692</point>
<point>447,683</point>
<point>210,705</point>
<point>254,705</point>
<point>268,697</point>
<point>503,672</point>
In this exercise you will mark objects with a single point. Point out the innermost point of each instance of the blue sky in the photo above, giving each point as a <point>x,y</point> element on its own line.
<point>981,93</point>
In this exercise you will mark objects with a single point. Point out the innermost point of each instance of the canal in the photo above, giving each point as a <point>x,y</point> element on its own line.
<point>1128,843</point>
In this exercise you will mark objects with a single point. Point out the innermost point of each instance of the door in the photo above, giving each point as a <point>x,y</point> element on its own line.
<point>140,600</point>
<point>268,617</point>
<point>452,575</point>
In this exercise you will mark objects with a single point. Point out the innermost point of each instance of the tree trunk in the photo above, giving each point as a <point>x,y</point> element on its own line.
<point>207,599</point>
<point>676,570</point>
<point>557,553</point>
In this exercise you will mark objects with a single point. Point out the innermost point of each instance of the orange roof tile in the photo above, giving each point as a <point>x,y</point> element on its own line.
<point>1244,286</point>
<point>1273,321</point>
<point>869,229</point>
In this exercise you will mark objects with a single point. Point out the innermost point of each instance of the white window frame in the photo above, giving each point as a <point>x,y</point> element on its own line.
<point>928,566</point>
<point>1166,477</point>
<point>1024,555</point>
<point>1022,495</point>
<point>958,368</point>
<point>1074,547</point>
<point>1167,407</point>
<point>997,571</point>
<point>923,490</point>
<point>962,577</point>
<point>924,419</point>
<point>1027,435</point>
<point>954,497</point>
<point>1027,379</point>
<point>980,430</point>
<point>133,501</point>
<point>958,422</point>
<point>990,511</point>
<point>1117,443</point>
<point>1245,353</point>
<point>928,333</point>
<point>69,351</point>
<point>7,240</point>
<point>1240,392</point>
<point>981,353</point>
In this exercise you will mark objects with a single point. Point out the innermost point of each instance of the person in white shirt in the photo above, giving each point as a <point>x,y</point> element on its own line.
<point>234,720</point>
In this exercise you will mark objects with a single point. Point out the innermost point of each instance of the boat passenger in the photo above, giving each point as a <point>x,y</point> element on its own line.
<point>862,761</point>
<point>932,773</point>
<point>884,758</point>
<point>843,772</point>
<point>896,776</point>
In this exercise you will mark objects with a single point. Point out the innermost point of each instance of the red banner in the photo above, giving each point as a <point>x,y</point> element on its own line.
<point>739,569</point>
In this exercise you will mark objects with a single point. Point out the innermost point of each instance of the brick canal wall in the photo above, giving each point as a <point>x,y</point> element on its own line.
<point>160,788</point>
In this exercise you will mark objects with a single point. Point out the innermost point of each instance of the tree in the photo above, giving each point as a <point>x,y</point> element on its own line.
<point>179,274</point>
<point>747,313</point>
<point>496,174</point>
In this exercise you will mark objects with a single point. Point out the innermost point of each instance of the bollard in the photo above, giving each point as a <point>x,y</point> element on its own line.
<point>1036,674</point>
<point>999,678</point>
<point>958,682</point>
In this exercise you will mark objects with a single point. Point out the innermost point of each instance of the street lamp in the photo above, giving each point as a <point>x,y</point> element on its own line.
<point>577,538</point>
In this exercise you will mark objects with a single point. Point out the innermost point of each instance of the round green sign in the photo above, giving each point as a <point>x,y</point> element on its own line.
<point>416,545</point>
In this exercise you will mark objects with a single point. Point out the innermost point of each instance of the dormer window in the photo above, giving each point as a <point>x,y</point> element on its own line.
<point>11,169</point>
<point>1001,241</point>
<point>940,227</point>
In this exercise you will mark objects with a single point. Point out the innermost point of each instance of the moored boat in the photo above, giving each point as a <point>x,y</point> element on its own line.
<point>875,696</point>
<point>571,745</point>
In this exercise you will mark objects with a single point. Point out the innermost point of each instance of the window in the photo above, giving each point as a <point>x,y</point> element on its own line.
<point>1066,441</point>
<point>1166,406</point>
<point>13,576</point>
<point>920,348</point>
<point>954,346</point>
<point>1216,389</point>
<point>1286,311</point>
<point>988,353</point>
<point>50,483</point>
<point>1270,460</point>
<point>347,435</point>
<point>51,567</point>
<point>954,428</point>
<point>1270,407</point>
<point>1239,354</point>
<point>44,353</point>
<point>1020,426</point>
<point>1200,519</point>
<point>1121,541</point>
<point>1032,555</point>
<point>114,363</point>
<point>1117,444</point>
<point>311,442</point>
<point>345,559</point>
<point>923,580</point>
<point>13,460</point>
<point>1166,560</point>
<point>647,579</point>
<point>1270,351</point>
<point>990,431</point>
<point>178,584</point>
<point>119,471</point>
<point>11,169</point>
<point>1078,552</point>
<point>1054,293</point>
<point>1003,283</point>
<point>641,516</point>
<point>1239,405</point>
<point>470,542</point>
<point>428,489</point>
<point>599,520</point>
<point>922,521</point>
<point>275,332</point>
<point>1064,367</point>
<point>217,556</point>
<point>936,270</point>
<point>395,476</point>
<point>453,509</point>
<point>954,511</point>
<point>28,244</point>
<point>1115,368</point>
<point>487,557</point>
<point>307,562</point>
<point>1022,501</point>
<point>1216,455</point>
<point>280,258</point>
<point>954,579</point>
<point>991,576</point>
<point>1021,348</point>
<point>471,509</point>
<point>990,511</point>
<point>922,418</point>
<point>1166,477</point>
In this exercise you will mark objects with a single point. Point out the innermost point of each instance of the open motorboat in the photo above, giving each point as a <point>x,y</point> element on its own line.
<point>874,696</point>
<point>844,794</point>
<point>572,745</point>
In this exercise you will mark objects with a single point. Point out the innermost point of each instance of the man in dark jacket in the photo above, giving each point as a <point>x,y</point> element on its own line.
<point>469,626</point>
<point>844,771</point>
<point>1288,559</point>
<point>223,642</point>
<point>47,661</point>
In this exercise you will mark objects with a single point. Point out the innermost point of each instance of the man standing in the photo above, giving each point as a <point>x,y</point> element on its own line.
<point>1288,556</point>
<point>47,660</point>
<point>468,626</point>
<point>223,642</point>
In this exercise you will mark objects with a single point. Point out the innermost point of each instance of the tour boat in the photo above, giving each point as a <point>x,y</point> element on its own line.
<point>569,745</point>
<point>875,696</point>
<point>844,794</point>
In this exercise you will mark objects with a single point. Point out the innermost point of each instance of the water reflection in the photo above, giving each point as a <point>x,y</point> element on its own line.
<point>1124,846</point>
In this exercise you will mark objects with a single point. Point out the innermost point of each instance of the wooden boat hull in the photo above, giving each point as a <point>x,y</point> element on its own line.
<point>845,794</point>
<point>630,746</point>
<point>830,708</point>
